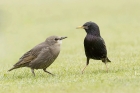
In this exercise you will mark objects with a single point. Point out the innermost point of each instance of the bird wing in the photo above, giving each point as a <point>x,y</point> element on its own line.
<point>95,46</point>
<point>30,55</point>
<point>44,59</point>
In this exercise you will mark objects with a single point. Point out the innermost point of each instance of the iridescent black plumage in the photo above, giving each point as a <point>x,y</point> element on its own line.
<point>94,44</point>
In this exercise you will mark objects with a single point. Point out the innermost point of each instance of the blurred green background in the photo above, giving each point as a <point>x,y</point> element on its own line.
<point>25,23</point>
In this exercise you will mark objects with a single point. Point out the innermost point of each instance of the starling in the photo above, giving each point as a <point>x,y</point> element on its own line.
<point>94,44</point>
<point>41,56</point>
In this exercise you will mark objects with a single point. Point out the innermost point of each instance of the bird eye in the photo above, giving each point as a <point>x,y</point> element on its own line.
<point>56,39</point>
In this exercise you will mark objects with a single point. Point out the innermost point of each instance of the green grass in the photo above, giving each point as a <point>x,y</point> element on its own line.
<point>24,24</point>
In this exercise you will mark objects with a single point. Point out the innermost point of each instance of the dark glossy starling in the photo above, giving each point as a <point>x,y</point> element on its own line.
<point>94,44</point>
<point>42,55</point>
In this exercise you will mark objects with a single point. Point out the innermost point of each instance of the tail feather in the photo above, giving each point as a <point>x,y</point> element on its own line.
<point>105,60</point>
<point>11,69</point>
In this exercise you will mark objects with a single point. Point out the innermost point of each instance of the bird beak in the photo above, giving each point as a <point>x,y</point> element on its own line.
<point>62,38</point>
<point>80,27</point>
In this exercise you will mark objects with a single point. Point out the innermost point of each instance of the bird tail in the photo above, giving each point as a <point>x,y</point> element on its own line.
<point>105,60</point>
<point>11,69</point>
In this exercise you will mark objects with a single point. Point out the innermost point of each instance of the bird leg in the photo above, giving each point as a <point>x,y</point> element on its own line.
<point>106,67</point>
<point>86,65</point>
<point>48,72</point>
<point>33,71</point>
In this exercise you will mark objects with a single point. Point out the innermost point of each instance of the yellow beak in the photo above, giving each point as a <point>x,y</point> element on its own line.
<point>80,27</point>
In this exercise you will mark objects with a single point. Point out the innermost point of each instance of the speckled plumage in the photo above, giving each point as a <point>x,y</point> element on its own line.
<point>41,56</point>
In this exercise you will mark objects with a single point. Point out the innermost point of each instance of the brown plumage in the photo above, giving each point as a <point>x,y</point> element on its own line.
<point>42,55</point>
<point>94,44</point>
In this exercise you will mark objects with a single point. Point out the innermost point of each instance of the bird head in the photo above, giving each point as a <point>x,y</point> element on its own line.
<point>54,40</point>
<point>90,27</point>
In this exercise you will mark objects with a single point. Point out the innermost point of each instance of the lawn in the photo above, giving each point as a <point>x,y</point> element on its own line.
<point>25,23</point>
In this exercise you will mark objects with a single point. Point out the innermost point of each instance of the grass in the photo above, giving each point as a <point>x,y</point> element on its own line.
<point>23,24</point>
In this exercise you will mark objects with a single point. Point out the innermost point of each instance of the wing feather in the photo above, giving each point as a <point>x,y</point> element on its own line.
<point>29,56</point>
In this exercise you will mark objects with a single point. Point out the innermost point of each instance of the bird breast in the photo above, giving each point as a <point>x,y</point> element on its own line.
<point>55,49</point>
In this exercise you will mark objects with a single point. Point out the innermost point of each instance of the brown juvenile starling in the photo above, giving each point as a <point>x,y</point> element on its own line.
<point>42,55</point>
<point>94,44</point>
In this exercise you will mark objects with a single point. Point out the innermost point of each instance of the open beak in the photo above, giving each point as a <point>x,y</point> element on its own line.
<point>62,38</point>
<point>80,27</point>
